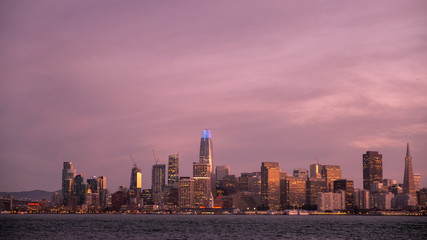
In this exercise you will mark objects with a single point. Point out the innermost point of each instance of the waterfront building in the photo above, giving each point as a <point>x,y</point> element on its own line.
<point>408,179</point>
<point>347,186</point>
<point>372,169</point>
<point>202,184</point>
<point>314,186</point>
<point>381,200</point>
<point>68,174</point>
<point>293,192</point>
<point>330,173</point>
<point>422,198</point>
<point>173,169</point>
<point>300,173</point>
<point>270,185</point>
<point>362,199</point>
<point>404,201</point>
<point>329,201</point>
<point>244,201</point>
<point>316,170</point>
<point>186,192</point>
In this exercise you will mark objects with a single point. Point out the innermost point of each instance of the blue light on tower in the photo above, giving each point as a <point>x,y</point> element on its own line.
<point>206,133</point>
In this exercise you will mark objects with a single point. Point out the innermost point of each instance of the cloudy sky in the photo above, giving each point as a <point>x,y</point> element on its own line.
<point>94,81</point>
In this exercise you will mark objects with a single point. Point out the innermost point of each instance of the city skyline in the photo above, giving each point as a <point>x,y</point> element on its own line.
<point>288,82</point>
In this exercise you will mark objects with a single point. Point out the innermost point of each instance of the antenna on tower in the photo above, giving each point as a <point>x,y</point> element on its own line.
<point>133,161</point>
<point>155,158</point>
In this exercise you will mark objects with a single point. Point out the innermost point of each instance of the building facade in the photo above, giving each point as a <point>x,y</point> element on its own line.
<point>202,184</point>
<point>186,193</point>
<point>372,169</point>
<point>347,186</point>
<point>330,173</point>
<point>408,177</point>
<point>173,169</point>
<point>270,185</point>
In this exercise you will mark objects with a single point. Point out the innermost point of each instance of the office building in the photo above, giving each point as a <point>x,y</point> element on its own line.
<point>186,192</point>
<point>270,185</point>
<point>347,186</point>
<point>316,170</point>
<point>372,169</point>
<point>221,172</point>
<point>293,192</point>
<point>329,201</point>
<point>202,184</point>
<point>331,173</point>
<point>173,169</point>
<point>300,173</point>
<point>314,186</point>
<point>158,178</point>
<point>68,174</point>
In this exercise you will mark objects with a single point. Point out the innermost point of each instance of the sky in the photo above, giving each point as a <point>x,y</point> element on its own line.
<point>292,82</point>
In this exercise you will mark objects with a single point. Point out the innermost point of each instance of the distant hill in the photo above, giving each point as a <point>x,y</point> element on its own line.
<point>34,195</point>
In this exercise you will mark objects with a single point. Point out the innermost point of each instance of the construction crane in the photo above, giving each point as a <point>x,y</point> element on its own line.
<point>155,158</point>
<point>134,163</point>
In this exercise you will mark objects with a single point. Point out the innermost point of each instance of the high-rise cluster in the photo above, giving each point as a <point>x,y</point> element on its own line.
<point>322,188</point>
<point>80,195</point>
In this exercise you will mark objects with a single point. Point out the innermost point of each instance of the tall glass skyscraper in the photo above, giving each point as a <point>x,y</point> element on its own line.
<point>202,172</point>
<point>68,174</point>
<point>206,148</point>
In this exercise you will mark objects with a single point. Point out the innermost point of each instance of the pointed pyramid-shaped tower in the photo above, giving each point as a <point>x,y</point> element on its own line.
<point>408,178</point>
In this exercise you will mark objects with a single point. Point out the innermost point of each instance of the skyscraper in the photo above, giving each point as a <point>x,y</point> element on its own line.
<point>136,178</point>
<point>408,178</point>
<point>202,184</point>
<point>348,187</point>
<point>293,192</point>
<point>202,172</point>
<point>186,192</point>
<point>158,178</point>
<point>372,169</point>
<point>68,174</point>
<point>206,151</point>
<point>135,188</point>
<point>301,173</point>
<point>221,172</point>
<point>270,185</point>
<point>316,170</point>
<point>173,169</point>
<point>330,173</point>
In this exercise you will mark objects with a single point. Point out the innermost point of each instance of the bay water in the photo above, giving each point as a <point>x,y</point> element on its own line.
<point>116,226</point>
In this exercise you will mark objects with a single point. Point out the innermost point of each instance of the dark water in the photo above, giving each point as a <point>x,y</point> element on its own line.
<point>210,227</point>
